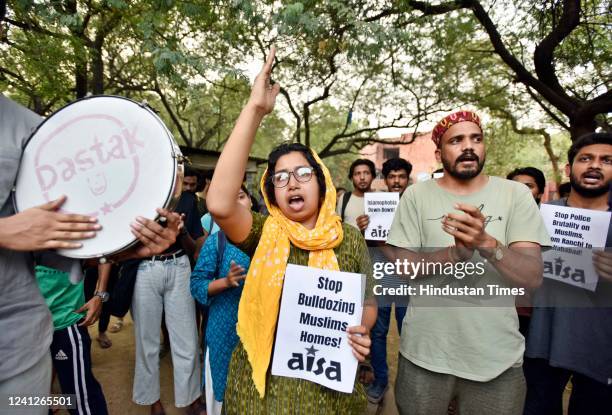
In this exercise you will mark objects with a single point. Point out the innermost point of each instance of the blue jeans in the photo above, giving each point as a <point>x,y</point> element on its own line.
<point>379,341</point>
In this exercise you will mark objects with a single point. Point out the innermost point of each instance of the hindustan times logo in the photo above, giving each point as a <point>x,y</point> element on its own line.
<point>494,290</point>
<point>411,269</point>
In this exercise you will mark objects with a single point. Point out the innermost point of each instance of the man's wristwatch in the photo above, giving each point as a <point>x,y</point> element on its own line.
<point>104,295</point>
<point>497,254</point>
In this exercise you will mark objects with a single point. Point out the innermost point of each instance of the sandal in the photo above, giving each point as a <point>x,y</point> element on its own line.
<point>158,410</point>
<point>116,326</point>
<point>104,343</point>
<point>365,373</point>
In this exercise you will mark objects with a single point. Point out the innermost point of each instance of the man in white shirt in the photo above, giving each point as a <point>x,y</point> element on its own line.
<point>351,206</point>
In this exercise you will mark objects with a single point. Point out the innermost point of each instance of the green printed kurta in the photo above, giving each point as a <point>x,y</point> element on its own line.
<point>288,395</point>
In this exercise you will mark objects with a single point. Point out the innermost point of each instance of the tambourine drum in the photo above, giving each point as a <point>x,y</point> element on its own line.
<point>112,157</point>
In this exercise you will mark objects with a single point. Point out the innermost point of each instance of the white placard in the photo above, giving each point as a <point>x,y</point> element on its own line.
<point>380,207</point>
<point>574,233</point>
<point>317,307</point>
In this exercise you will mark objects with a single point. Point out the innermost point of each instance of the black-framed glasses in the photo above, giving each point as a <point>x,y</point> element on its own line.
<point>302,174</point>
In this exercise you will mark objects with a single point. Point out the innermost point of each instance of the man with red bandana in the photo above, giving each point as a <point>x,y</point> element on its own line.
<point>464,345</point>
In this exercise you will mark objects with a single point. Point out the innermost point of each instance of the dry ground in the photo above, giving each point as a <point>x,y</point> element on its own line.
<point>114,369</point>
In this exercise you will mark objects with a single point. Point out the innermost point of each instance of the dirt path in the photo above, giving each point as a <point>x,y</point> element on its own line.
<point>114,369</point>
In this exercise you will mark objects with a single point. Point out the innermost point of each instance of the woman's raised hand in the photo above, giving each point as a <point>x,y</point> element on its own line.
<point>263,94</point>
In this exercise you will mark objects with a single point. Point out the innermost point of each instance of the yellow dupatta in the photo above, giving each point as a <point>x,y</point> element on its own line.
<point>260,301</point>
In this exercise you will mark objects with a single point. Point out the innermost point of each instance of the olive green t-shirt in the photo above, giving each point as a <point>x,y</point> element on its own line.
<point>293,395</point>
<point>476,341</point>
<point>352,254</point>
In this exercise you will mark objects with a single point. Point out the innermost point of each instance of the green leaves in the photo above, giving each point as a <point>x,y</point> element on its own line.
<point>387,61</point>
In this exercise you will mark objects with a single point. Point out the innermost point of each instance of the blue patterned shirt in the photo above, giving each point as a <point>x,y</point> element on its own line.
<point>221,335</point>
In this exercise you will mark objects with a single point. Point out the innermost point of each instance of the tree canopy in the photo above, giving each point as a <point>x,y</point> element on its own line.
<point>347,68</point>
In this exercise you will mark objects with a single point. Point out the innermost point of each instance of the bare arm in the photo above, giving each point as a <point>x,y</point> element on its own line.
<point>235,219</point>
<point>154,238</point>
<point>521,264</point>
<point>104,271</point>
<point>188,243</point>
<point>370,311</point>
<point>43,227</point>
<point>199,243</point>
<point>231,280</point>
<point>359,336</point>
<point>94,305</point>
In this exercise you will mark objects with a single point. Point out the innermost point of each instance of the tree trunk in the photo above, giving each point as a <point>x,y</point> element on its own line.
<point>554,160</point>
<point>580,126</point>
<point>80,78</point>
<point>97,68</point>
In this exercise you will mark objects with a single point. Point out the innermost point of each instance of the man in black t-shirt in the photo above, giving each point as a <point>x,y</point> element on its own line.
<point>565,340</point>
<point>192,235</point>
<point>194,182</point>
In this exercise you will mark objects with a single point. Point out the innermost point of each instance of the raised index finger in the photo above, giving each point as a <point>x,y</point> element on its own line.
<point>267,68</point>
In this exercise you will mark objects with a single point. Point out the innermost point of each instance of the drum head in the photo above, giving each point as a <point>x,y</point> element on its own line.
<point>112,157</point>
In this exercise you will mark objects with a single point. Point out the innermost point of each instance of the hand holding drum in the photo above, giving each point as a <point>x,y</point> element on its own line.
<point>43,227</point>
<point>92,179</point>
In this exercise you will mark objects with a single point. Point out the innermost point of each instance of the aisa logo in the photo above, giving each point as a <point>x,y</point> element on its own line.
<point>379,232</point>
<point>331,370</point>
<point>567,272</point>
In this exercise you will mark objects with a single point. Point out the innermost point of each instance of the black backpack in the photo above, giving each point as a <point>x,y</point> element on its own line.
<point>221,242</point>
<point>345,199</point>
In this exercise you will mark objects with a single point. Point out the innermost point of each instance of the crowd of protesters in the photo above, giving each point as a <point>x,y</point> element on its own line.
<point>210,283</point>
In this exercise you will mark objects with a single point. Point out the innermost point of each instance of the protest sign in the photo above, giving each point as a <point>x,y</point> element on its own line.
<point>380,207</point>
<point>574,233</point>
<point>317,307</point>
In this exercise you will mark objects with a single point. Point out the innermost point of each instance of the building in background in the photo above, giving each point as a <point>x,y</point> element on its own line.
<point>420,152</point>
<point>202,160</point>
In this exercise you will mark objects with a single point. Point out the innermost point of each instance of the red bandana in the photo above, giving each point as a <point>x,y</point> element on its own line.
<point>447,122</point>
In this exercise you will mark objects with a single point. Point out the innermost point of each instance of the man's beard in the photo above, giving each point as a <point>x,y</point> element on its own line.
<point>588,192</point>
<point>363,187</point>
<point>451,168</point>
